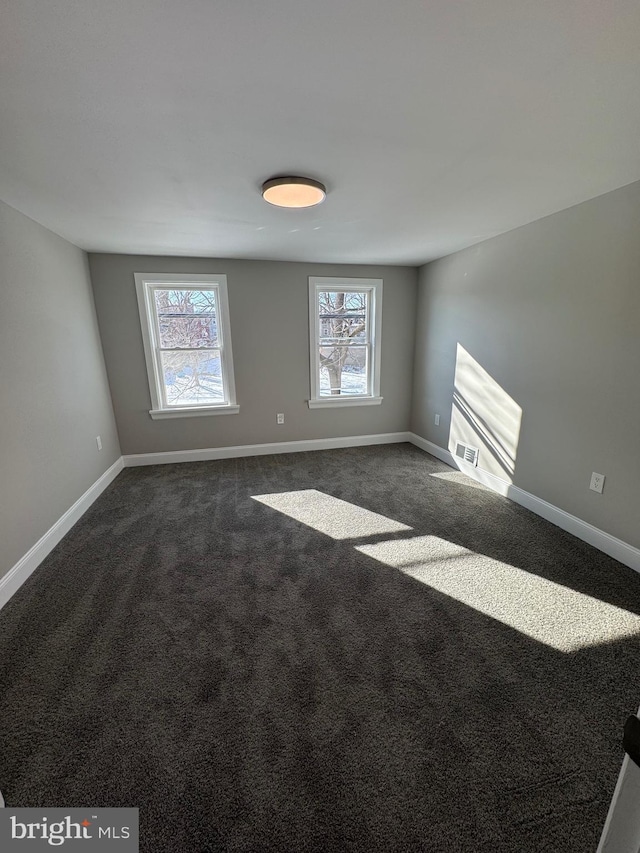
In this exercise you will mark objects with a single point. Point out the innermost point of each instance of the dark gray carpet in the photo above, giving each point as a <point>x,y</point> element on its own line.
<point>254,684</point>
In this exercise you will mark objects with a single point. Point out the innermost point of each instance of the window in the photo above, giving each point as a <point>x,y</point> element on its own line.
<point>187,344</point>
<point>345,329</point>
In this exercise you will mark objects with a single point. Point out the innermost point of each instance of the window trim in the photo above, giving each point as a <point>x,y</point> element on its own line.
<point>349,285</point>
<point>146,283</point>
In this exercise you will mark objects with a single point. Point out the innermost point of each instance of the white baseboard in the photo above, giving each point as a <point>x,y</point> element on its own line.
<point>616,548</point>
<point>17,575</point>
<point>433,449</point>
<point>208,453</point>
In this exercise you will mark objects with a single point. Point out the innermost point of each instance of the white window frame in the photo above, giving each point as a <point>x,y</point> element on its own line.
<point>146,284</point>
<point>373,287</point>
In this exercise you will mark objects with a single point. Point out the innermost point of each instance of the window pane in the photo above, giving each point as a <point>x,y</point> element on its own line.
<point>342,316</point>
<point>185,301</point>
<point>192,378</point>
<point>343,370</point>
<point>192,332</point>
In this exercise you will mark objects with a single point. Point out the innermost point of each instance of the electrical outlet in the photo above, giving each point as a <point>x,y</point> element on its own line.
<point>597,482</point>
<point>437,420</point>
<point>99,442</point>
<point>280,418</point>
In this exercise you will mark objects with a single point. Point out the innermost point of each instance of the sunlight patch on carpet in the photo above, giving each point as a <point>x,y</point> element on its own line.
<point>460,479</point>
<point>331,516</point>
<point>548,612</point>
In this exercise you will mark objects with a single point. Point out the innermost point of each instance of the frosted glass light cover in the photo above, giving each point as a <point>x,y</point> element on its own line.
<point>293,192</point>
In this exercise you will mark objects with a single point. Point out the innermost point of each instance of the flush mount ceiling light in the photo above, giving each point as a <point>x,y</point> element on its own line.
<point>292,191</point>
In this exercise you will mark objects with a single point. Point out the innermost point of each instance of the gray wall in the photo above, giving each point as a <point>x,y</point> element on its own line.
<point>542,326</point>
<point>53,385</point>
<point>268,303</point>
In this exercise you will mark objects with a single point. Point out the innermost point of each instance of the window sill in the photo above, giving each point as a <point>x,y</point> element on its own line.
<point>331,402</point>
<point>193,412</point>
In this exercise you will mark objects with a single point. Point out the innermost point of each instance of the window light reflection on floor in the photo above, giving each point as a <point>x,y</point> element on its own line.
<point>459,478</point>
<point>331,516</point>
<point>548,612</point>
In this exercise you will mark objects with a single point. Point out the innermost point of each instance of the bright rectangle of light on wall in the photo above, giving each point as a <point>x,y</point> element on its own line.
<point>483,415</point>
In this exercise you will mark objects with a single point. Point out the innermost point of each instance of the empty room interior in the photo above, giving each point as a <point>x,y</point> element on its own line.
<point>319,445</point>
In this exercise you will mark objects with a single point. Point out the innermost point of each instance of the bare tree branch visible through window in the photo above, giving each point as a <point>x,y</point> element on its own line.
<point>189,343</point>
<point>343,326</point>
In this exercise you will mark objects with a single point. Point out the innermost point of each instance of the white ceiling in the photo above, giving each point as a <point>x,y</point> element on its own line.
<point>148,126</point>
